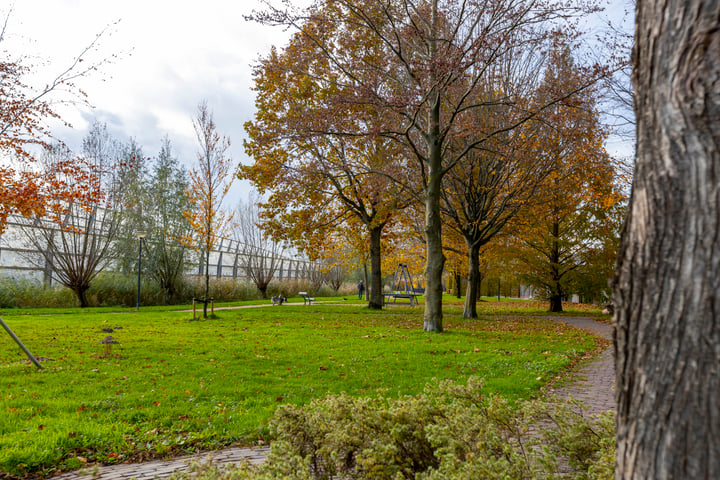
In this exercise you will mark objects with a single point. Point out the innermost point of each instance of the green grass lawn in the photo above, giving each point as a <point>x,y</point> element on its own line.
<point>174,385</point>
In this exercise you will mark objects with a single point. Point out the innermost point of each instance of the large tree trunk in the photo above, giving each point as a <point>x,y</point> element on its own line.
<point>435,261</point>
<point>376,297</point>
<point>471,294</point>
<point>555,303</point>
<point>667,284</point>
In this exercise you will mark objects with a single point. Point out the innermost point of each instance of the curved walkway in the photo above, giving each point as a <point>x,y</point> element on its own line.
<point>593,384</point>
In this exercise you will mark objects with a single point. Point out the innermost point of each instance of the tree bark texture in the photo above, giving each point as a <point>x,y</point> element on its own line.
<point>667,284</point>
<point>435,262</point>
<point>376,291</point>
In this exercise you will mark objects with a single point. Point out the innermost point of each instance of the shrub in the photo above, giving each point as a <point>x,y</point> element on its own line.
<point>26,292</point>
<point>116,289</point>
<point>450,431</point>
<point>223,289</point>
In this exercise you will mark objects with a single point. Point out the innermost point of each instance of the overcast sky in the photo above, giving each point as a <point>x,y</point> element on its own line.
<point>171,54</point>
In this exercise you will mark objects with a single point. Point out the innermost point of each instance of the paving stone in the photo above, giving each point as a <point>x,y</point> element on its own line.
<point>594,383</point>
<point>165,468</point>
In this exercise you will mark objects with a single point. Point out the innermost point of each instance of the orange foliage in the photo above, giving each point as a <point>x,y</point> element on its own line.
<point>28,186</point>
<point>209,184</point>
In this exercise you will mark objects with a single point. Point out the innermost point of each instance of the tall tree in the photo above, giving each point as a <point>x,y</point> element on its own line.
<point>167,257</point>
<point>84,242</point>
<point>261,255</point>
<point>318,182</point>
<point>484,192</point>
<point>564,228</point>
<point>667,340</point>
<point>134,173</point>
<point>421,65</point>
<point>210,181</point>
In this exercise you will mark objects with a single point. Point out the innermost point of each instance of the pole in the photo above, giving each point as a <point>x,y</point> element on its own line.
<point>24,348</point>
<point>137,298</point>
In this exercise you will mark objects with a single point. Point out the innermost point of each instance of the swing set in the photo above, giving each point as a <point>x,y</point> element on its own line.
<point>402,288</point>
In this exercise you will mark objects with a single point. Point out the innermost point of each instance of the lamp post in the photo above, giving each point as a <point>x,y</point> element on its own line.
<point>140,235</point>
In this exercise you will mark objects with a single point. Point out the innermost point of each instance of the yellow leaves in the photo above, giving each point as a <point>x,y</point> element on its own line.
<point>210,181</point>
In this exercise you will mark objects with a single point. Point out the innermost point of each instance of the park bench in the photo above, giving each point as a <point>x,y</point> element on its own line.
<point>307,299</point>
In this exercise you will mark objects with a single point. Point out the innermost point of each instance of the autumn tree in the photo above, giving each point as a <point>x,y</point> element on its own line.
<point>210,181</point>
<point>318,183</point>
<point>667,341</point>
<point>563,231</point>
<point>422,64</point>
<point>493,183</point>
<point>154,204</point>
<point>28,187</point>
<point>82,241</point>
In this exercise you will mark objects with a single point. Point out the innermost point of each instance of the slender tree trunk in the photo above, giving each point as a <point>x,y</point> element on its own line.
<point>207,283</point>
<point>376,297</point>
<point>458,284</point>
<point>667,284</point>
<point>471,295</point>
<point>557,292</point>
<point>366,281</point>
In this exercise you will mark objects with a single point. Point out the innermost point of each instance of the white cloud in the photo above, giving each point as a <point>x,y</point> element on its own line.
<point>171,55</point>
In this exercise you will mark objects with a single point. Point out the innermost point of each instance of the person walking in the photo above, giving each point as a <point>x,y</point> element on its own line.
<point>361,289</point>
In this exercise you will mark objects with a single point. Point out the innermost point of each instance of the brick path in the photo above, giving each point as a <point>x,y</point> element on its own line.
<point>164,468</point>
<point>593,384</point>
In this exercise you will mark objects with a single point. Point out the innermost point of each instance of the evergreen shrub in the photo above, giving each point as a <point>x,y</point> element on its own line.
<point>451,431</point>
